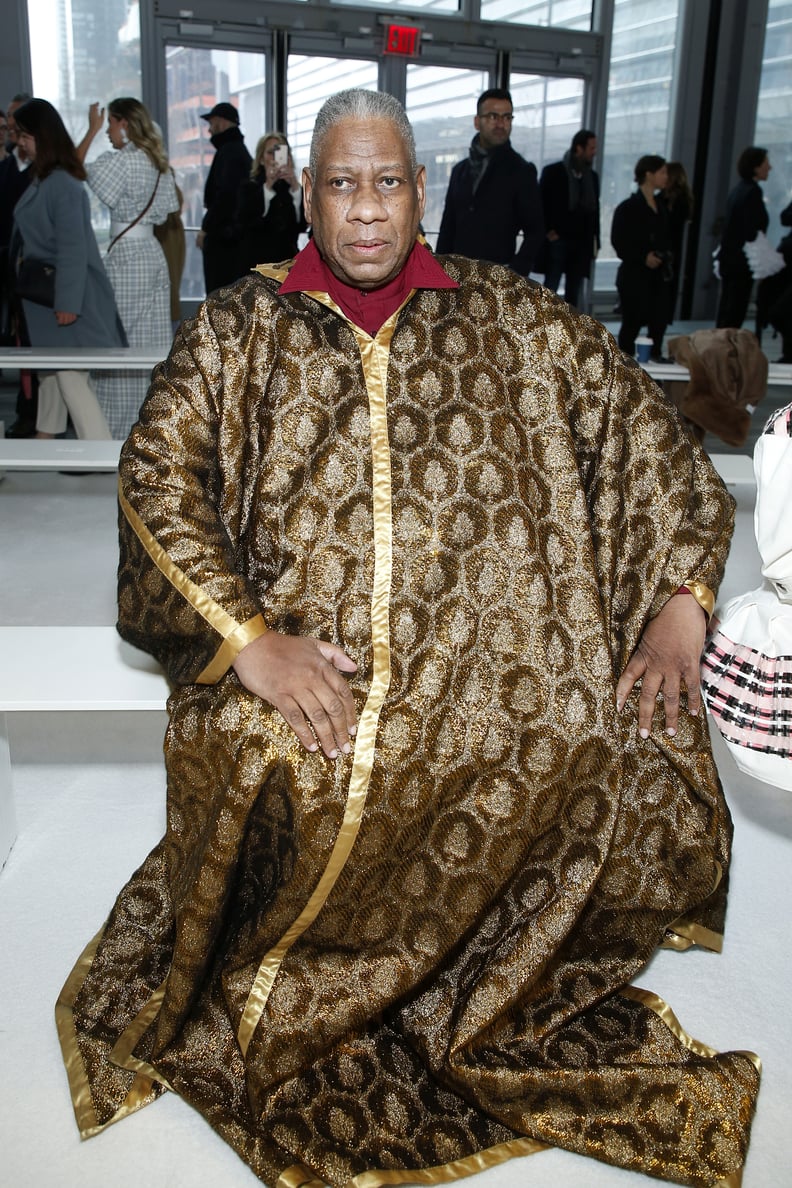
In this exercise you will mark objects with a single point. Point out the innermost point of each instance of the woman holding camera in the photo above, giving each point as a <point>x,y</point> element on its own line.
<point>269,214</point>
<point>641,238</point>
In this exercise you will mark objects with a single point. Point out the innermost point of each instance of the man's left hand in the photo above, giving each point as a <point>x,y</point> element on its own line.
<point>668,655</point>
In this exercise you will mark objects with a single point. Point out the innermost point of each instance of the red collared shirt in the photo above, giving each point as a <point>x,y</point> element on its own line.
<point>371,309</point>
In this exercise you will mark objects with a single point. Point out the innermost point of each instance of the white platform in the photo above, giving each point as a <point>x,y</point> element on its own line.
<point>81,358</point>
<point>91,794</point>
<point>60,453</point>
<point>76,668</point>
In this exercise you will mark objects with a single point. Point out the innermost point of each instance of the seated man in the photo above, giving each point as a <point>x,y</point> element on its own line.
<point>405,533</point>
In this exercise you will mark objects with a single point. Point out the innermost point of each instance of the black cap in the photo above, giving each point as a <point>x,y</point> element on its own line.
<point>226,111</point>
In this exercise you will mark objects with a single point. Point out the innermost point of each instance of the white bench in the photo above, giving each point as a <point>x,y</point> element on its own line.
<point>61,453</point>
<point>778,374</point>
<point>69,454</point>
<point>81,358</point>
<point>67,668</point>
<point>734,469</point>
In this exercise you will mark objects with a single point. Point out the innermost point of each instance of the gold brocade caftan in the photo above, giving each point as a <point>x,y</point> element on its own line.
<point>414,961</point>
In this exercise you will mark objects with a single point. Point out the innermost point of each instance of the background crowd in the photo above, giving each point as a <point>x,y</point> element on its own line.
<point>497,208</point>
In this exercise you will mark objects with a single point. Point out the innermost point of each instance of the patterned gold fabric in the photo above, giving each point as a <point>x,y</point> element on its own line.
<point>415,957</point>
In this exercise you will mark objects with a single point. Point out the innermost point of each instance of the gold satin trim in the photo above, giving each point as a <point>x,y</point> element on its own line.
<point>703,596</point>
<point>374,354</point>
<point>235,635</point>
<point>125,1044</point>
<point>456,1170</point>
<point>230,648</point>
<point>140,1092</point>
<point>298,1176</point>
<point>682,936</point>
<point>661,1008</point>
<point>278,274</point>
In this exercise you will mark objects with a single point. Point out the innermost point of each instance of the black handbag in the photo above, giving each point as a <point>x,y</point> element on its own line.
<point>35,281</point>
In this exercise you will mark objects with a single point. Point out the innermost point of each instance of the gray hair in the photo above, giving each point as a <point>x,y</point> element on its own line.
<point>357,104</point>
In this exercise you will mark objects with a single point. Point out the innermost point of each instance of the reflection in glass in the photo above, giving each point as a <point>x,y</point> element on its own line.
<point>441,104</point>
<point>566,14</point>
<point>309,81</point>
<point>773,112</point>
<point>198,78</point>
<point>639,105</point>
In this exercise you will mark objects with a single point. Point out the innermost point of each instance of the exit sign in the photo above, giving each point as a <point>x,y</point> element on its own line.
<point>402,39</point>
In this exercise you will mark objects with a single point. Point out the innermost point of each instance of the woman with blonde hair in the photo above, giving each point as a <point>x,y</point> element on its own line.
<point>269,214</point>
<point>136,182</point>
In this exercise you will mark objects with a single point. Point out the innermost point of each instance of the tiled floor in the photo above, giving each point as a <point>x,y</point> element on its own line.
<point>90,804</point>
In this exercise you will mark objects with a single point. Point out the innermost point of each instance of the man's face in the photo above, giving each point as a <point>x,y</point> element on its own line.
<point>588,151</point>
<point>494,123</point>
<point>218,124</point>
<point>364,202</point>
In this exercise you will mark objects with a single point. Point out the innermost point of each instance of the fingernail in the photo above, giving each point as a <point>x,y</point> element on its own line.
<point>644,733</point>
<point>619,705</point>
<point>346,748</point>
<point>313,747</point>
<point>670,732</point>
<point>353,731</point>
<point>333,755</point>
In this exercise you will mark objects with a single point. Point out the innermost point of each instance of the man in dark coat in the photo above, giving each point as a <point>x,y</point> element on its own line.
<point>230,169</point>
<point>570,203</point>
<point>494,194</point>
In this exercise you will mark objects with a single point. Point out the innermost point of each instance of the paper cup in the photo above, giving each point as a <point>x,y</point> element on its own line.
<point>643,349</point>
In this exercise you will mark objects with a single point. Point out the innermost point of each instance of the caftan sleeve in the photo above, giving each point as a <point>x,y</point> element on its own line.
<point>181,593</point>
<point>659,514</point>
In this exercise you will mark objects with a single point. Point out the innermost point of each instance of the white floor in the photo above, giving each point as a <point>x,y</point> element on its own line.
<point>90,804</point>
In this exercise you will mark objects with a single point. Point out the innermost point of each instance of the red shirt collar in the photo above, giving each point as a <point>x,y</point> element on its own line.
<point>369,310</point>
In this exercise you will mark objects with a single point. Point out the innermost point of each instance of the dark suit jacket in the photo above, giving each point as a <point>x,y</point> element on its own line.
<point>13,183</point>
<point>230,169</point>
<point>484,225</point>
<point>746,216</point>
<point>572,225</point>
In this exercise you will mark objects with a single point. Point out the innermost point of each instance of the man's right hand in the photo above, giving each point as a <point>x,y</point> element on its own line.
<point>199,240</point>
<point>301,677</point>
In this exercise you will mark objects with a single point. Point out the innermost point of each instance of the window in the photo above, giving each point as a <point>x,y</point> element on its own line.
<point>639,106</point>
<point>309,81</point>
<point>548,111</point>
<point>566,14</point>
<point>772,116</point>
<point>82,52</point>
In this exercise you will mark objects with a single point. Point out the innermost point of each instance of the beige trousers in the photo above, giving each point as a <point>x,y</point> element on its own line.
<point>64,394</point>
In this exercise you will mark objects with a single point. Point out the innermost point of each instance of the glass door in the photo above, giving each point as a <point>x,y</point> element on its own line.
<point>441,104</point>
<point>196,78</point>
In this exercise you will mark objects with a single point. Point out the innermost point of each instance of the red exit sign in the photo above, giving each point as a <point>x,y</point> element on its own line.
<point>402,39</point>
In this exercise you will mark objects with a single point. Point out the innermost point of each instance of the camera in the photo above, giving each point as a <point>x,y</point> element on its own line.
<point>281,154</point>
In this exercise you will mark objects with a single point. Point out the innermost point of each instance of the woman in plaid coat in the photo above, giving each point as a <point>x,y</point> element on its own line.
<point>136,182</point>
